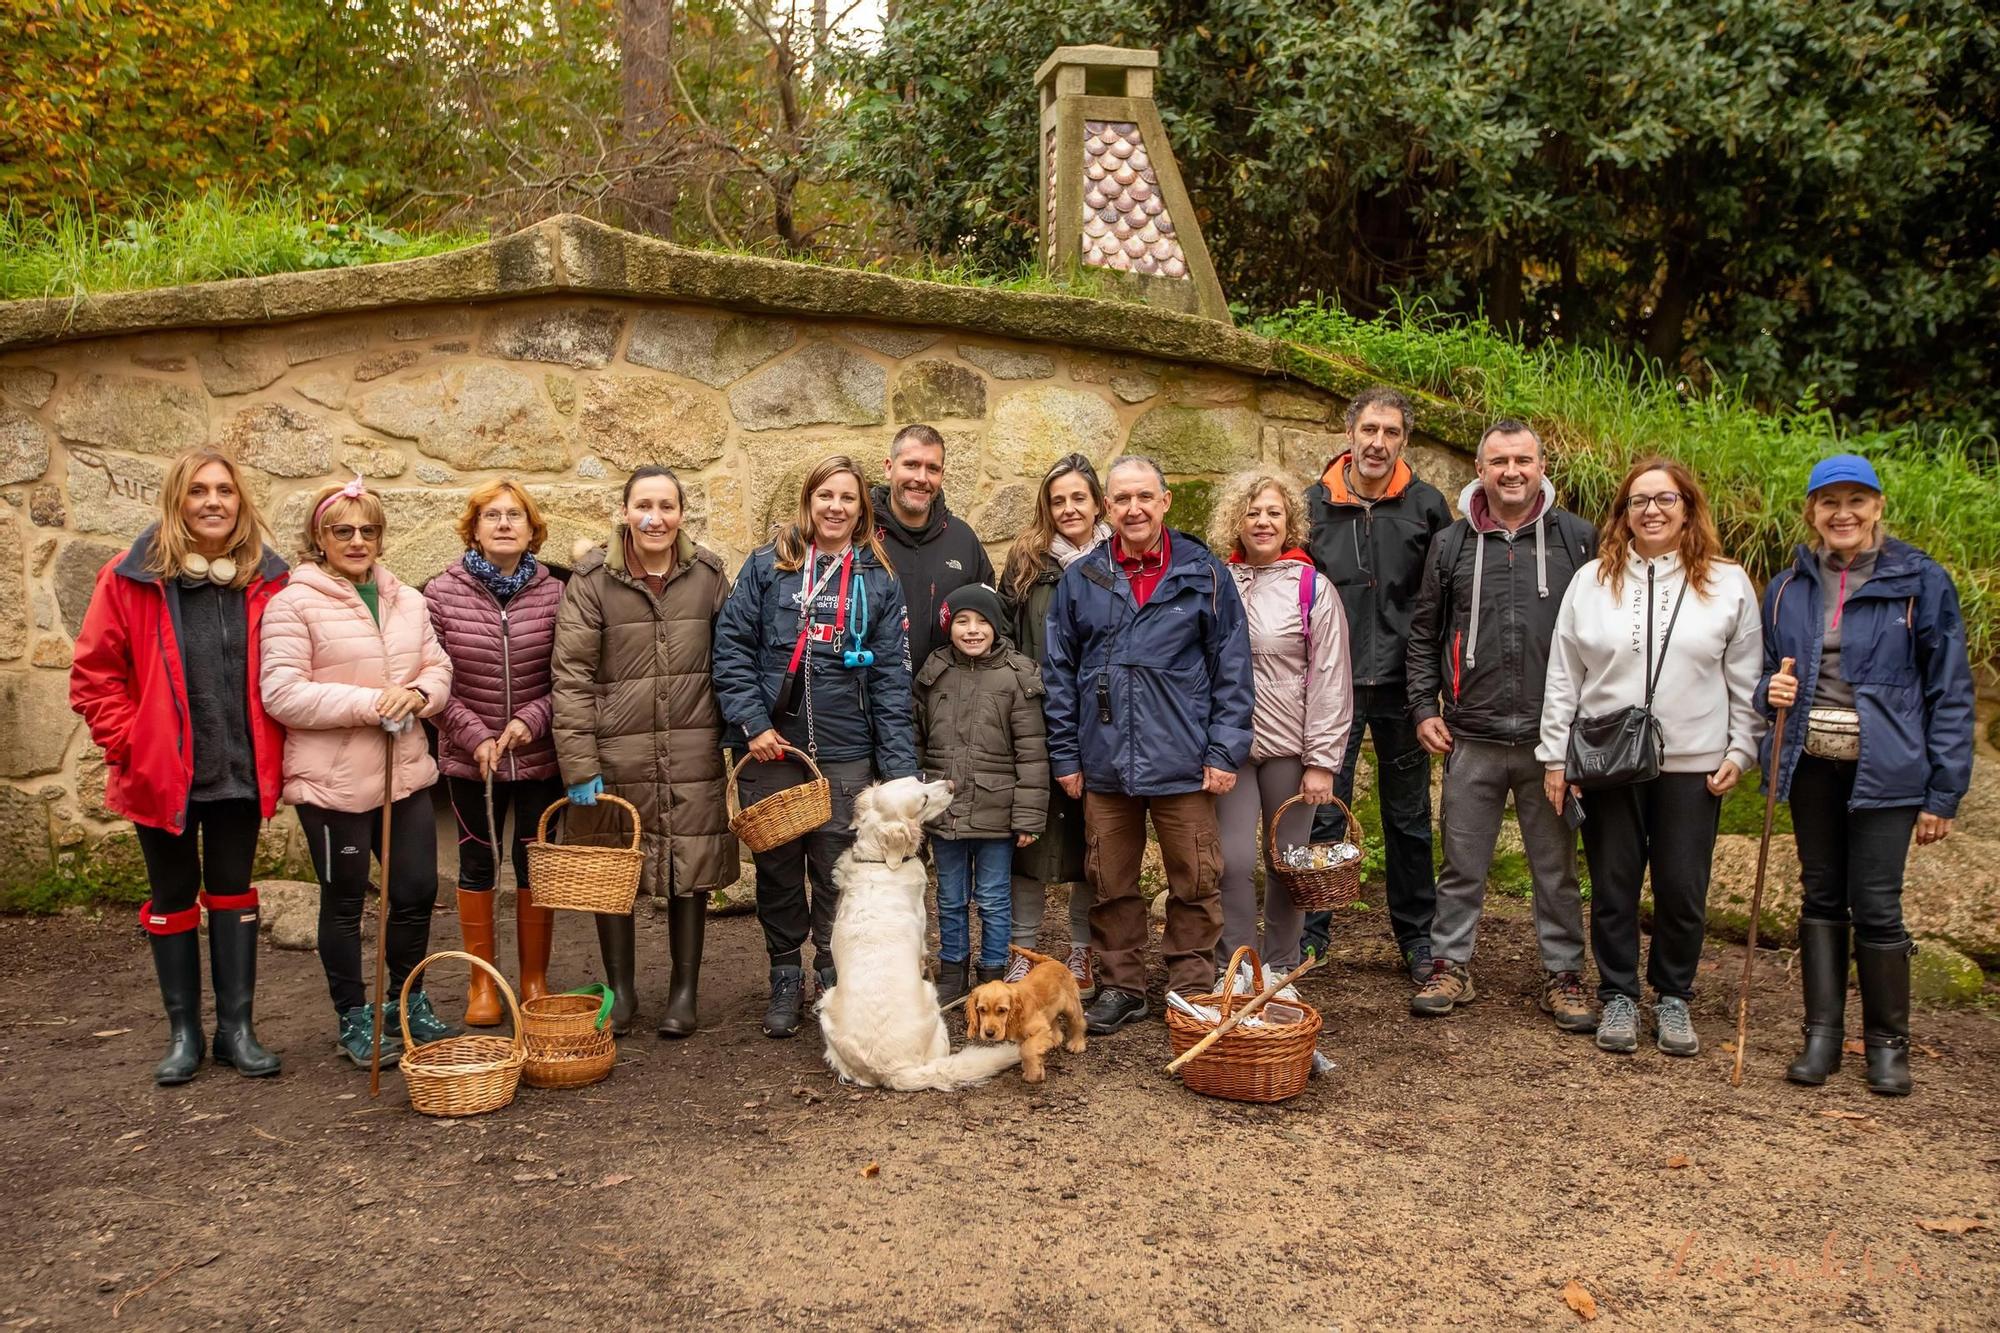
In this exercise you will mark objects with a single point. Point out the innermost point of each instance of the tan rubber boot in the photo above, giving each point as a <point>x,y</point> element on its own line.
<point>475,925</point>
<point>533,927</point>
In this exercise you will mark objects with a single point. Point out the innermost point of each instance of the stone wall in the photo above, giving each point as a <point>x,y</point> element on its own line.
<point>567,379</point>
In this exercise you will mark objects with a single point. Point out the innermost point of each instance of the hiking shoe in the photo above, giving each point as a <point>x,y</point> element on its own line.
<point>781,1016</point>
<point>1017,970</point>
<point>357,1032</point>
<point>1111,1010</point>
<point>425,1026</point>
<point>1618,1025</point>
<point>1448,986</point>
<point>1564,1000</point>
<point>1674,1026</point>
<point>1417,960</point>
<point>1081,967</point>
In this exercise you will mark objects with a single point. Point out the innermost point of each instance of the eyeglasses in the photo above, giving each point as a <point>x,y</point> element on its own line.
<point>1666,502</point>
<point>513,516</point>
<point>345,532</point>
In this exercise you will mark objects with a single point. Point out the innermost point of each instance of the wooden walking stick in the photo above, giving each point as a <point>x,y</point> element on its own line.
<point>493,832</point>
<point>1757,892</point>
<point>1228,1024</point>
<point>382,921</point>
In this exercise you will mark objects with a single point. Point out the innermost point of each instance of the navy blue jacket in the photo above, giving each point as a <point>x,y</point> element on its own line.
<point>857,712</point>
<point>1902,648</point>
<point>1173,676</point>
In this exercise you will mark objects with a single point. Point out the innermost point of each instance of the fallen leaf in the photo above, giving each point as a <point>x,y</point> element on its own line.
<point>1932,1051</point>
<point>751,1106</point>
<point>529,1177</point>
<point>870,1171</point>
<point>609,1181</point>
<point>1853,1046</point>
<point>1677,1161</point>
<point>1842,1115</point>
<point>129,1135</point>
<point>1579,1300</point>
<point>1951,1226</point>
<point>1729,1048</point>
<point>111,1032</point>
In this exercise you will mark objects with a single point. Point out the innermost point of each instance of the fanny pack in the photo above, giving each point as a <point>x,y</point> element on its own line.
<point>1621,748</point>
<point>1833,733</point>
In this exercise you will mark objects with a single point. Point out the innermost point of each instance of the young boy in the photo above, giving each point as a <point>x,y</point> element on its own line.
<point>979,722</point>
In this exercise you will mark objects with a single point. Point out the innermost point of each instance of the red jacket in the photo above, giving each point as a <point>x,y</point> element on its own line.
<point>127,681</point>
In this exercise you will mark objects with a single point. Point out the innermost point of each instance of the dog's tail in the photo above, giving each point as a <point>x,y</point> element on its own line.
<point>961,1069</point>
<point>1034,957</point>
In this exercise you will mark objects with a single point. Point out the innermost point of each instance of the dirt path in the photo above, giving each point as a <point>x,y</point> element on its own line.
<point>1450,1172</point>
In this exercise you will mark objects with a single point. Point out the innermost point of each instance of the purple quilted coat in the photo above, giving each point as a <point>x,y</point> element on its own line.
<point>500,669</point>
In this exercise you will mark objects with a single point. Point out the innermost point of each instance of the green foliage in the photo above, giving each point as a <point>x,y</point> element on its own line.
<point>74,252</point>
<point>77,881</point>
<point>1600,412</point>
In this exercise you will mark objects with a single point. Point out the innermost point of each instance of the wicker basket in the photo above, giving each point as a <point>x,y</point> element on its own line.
<point>1311,890</point>
<point>583,878</point>
<point>569,1044</point>
<point>1249,1064</point>
<point>781,816</point>
<point>467,1075</point>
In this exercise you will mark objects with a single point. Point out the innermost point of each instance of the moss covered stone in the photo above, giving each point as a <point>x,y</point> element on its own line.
<point>1940,975</point>
<point>1198,439</point>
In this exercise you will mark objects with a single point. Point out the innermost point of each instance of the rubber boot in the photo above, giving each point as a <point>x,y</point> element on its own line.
<point>177,958</point>
<point>1885,1014</point>
<point>232,963</point>
<point>954,980</point>
<point>615,940</point>
<point>1823,968</point>
<point>687,920</point>
<point>475,926</point>
<point>533,927</point>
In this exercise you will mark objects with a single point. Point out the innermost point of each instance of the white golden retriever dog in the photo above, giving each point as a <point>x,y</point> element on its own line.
<point>881,1019</point>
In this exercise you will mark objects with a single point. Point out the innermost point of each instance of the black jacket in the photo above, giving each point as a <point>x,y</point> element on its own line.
<point>1374,553</point>
<point>1484,618</point>
<point>930,562</point>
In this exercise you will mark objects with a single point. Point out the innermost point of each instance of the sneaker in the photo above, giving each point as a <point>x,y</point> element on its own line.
<point>425,1026</point>
<point>1081,966</point>
<point>357,1037</point>
<point>1417,960</point>
<point>1111,1010</point>
<point>781,1016</point>
<point>1564,1000</point>
<point>1017,970</point>
<point>1448,986</point>
<point>1618,1025</point>
<point>1674,1026</point>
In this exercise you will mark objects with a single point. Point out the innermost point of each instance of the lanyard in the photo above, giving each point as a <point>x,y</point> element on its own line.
<point>812,588</point>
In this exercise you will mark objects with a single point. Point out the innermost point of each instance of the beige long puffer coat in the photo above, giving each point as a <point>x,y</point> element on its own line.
<point>635,705</point>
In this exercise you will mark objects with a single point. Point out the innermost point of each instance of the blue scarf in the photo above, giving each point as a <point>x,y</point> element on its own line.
<point>502,586</point>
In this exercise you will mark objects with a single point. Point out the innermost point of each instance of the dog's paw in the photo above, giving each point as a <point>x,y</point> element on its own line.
<point>1075,1045</point>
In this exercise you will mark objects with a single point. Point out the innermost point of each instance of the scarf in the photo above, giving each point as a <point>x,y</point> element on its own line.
<point>1068,553</point>
<point>502,586</point>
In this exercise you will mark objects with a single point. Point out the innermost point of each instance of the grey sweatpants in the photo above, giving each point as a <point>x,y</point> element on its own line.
<point>1031,903</point>
<point>1477,777</point>
<point>1242,815</point>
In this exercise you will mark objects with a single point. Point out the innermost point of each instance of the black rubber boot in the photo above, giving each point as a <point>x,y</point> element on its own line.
<point>232,962</point>
<point>954,979</point>
<point>177,958</point>
<point>1885,1014</point>
<point>687,921</point>
<point>986,974</point>
<point>1823,968</point>
<point>616,936</point>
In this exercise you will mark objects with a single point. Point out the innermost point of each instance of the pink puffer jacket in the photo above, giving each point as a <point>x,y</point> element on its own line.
<point>325,664</point>
<point>499,669</point>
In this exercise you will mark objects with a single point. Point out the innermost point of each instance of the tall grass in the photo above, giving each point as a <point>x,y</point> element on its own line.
<point>75,252</point>
<point>1600,412</point>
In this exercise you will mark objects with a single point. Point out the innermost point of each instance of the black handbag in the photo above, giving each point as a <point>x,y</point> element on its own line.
<point>1621,748</point>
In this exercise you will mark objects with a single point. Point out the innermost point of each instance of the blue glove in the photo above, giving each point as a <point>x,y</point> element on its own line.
<point>587,791</point>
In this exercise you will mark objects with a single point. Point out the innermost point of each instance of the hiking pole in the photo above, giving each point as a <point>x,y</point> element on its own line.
<point>382,921</point>
<point>493,833</point>
<point>1757,892</point>
<point>1229,1024</point>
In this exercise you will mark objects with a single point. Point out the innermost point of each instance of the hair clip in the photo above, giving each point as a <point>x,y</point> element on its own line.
<point>353,490</point>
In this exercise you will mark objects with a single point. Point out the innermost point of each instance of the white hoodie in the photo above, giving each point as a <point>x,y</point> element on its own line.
<point>1704,700</point>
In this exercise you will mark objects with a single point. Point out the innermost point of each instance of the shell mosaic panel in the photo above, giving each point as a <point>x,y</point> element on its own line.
<point>1126,225</point>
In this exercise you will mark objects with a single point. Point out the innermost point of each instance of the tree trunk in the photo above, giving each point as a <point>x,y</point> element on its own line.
<point>649,192</point>
<point>1504,302</point>
<point>1666,328</point>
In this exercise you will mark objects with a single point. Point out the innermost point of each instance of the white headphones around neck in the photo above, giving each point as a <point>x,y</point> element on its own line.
<point>196,566</point>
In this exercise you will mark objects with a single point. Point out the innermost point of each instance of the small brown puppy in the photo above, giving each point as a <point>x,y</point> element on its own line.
<point>1032,1011</point>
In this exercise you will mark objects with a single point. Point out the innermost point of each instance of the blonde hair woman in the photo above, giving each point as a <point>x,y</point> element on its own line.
<point>165,675</point>
<point>1304,702</point>
<point>349,653</point>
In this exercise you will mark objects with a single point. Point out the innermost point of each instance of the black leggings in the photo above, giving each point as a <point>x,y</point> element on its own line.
<point>527,797</point>
<point>1850,861</point>
<point>180,866</point>
<point>1666,826</point>
<point>340,844</point>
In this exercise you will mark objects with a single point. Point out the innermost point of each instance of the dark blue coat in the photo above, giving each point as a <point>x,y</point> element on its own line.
<point>1902,647</point>
<point>857,712</point>
<point>1173,675</point>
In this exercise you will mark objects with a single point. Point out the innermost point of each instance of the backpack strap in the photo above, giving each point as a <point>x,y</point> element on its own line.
<point>1308,576</point>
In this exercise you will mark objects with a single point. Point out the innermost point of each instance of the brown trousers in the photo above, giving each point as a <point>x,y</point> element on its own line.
<point>1191,848</point>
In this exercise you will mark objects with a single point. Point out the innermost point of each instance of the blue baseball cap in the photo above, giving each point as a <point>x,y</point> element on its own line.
<point>1843,467</point>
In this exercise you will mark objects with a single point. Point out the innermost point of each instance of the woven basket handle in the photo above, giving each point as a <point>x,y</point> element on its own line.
<point>1229,982</point>
<point>737,800</point>
<point>542,828</point>
<point>1271,834</point>
<point>403,1002</point>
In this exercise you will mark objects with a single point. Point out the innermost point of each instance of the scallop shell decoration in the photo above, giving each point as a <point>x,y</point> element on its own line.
<point>1126,224</point>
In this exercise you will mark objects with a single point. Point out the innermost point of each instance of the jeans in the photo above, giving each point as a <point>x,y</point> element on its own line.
<point>340,842</point>
<point>784,907</point>
<point>1477,777</point>
<point>1666,826</point>
<point>1243,814</point>
<point>974,867</point>
<point>1403,787</point>
<point>527,798</point>
<point>1851,861</point>
<point>179,868</point>
<point>1120,924</point>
